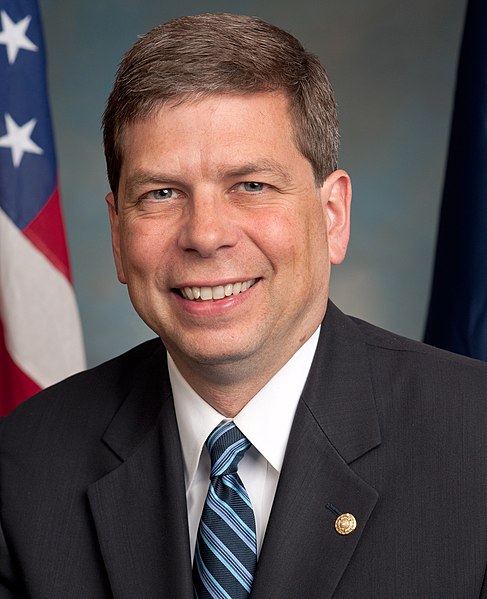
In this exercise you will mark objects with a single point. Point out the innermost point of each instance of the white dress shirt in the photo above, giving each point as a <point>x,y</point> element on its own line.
<point>266,422</point>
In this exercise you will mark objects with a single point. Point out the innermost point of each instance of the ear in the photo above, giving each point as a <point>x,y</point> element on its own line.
<point>336,196</point>
<point>115,225</point>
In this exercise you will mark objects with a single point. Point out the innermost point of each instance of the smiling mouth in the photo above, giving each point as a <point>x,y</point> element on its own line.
<point>204,294</point>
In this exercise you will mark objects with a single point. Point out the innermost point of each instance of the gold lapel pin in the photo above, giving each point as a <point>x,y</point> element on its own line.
<point>345,524</point>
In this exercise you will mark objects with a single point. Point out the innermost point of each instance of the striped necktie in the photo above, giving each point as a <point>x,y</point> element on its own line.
<point>226,546</point>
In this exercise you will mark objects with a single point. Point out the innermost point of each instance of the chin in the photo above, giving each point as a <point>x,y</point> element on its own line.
<point>219,356</point>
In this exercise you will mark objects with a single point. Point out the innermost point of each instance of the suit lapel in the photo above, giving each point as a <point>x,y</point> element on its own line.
<point>139,509</point>
<point>335,423</point>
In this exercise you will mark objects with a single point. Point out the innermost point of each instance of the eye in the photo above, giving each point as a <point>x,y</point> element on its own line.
<point>253,186</point>
<point>166,193</point>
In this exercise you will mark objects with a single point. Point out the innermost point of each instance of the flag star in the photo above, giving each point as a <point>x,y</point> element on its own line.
<point>18,139</point>
<point>13,36</point>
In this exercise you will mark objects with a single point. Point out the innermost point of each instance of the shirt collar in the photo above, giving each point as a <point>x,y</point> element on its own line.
<point>266,420</point>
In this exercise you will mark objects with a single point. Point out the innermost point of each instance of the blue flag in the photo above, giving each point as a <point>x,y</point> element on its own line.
<point>457,318</point>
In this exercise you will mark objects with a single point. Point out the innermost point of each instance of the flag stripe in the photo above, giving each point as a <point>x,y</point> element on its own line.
<point>31,288</point>
<point>13,379</point>
<point>47,234</point>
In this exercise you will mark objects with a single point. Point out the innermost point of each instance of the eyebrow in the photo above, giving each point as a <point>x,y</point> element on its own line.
<point>265,166</point>
<point>141,178</point>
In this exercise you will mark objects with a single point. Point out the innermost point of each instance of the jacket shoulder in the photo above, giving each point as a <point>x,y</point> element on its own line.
<point>437,366</point>
<point>376,336</point>
<point>97,391</point>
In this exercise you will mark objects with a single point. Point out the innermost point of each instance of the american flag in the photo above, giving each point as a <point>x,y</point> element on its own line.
<point>40,332</point>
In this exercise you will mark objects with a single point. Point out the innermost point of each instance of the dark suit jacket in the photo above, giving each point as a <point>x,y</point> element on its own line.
<point>392,431</point>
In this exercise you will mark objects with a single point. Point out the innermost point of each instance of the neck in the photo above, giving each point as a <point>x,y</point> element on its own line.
<point>221,388</point>
<point>229,386</point>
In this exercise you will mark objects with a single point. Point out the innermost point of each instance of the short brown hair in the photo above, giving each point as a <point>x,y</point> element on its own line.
<point>196,56</point>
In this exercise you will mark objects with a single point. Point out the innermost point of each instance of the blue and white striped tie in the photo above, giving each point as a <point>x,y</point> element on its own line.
<point>226,547</point>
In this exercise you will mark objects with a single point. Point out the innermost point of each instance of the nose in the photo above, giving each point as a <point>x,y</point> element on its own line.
<point>207,226</point>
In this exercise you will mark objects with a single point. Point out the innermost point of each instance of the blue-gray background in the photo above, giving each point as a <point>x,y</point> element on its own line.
<point>393,67</point>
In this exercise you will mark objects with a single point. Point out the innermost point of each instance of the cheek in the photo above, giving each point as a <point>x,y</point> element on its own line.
<point>278,235</point>
<point>294,239</point>
<point>281,239</point>
<point>140,249</point>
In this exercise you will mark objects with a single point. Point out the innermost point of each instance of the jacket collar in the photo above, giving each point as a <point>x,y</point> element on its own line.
<point>144,396</point>
<point>339,390</point>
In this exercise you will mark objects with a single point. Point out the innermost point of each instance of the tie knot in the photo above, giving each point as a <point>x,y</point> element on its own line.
<point>227,445</point>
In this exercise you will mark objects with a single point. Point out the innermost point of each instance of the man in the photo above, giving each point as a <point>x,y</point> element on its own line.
<point>357,464</point>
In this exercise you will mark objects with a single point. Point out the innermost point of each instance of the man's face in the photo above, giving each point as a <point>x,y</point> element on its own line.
<point>215,201</point>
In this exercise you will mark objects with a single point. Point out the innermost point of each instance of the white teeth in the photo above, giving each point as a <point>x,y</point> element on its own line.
<point>217,292</point>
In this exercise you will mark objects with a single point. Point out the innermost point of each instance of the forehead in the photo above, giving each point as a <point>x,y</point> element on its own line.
<point>212,128</point>
<point>215,104</point>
